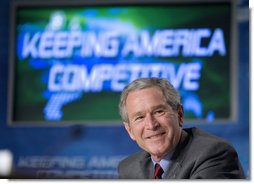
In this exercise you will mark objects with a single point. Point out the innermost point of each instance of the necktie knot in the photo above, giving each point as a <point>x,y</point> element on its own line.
<point>158,171</point>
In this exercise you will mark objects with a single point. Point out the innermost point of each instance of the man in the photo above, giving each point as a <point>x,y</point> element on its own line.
<point>153,117</point>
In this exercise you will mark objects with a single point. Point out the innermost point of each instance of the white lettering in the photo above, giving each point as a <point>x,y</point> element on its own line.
<point>29,47</point>
<point>217,43</point>
<point>201,34</point>
<point>46,45</point>
<point>162,43</point>
<point>115,77</point>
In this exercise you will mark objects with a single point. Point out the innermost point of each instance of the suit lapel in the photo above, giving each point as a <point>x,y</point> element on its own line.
<point>178,157</point>
<point>146,167</point>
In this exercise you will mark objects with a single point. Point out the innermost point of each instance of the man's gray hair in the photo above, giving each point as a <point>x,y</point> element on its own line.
<point>170,93</point>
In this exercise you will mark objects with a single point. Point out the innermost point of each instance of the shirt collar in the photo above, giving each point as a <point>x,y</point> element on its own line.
<point>165,162</point>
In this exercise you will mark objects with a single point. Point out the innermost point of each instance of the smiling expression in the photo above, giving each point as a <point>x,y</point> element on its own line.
<point>153,124</point>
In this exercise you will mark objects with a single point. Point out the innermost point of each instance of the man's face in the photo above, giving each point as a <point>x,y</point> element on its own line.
<point>153,124</point>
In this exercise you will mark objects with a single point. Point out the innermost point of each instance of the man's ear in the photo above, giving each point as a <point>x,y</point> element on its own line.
<point>181,115</point>
<point>129,130</point>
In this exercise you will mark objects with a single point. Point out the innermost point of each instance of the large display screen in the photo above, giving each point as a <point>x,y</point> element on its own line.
<point>70,62</point>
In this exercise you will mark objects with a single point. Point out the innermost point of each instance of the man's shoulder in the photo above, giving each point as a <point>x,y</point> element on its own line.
<point>205,141</point>
<point>130,167</point>
<point>133,159</point>
<point>203,136</point>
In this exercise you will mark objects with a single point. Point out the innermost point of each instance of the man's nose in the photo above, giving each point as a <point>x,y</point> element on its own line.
<point>151,122</point>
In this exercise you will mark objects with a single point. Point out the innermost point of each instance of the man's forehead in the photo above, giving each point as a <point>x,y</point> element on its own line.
<point>139,91</point>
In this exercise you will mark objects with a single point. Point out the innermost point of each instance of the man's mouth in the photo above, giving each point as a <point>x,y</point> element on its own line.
<point>155,135</point>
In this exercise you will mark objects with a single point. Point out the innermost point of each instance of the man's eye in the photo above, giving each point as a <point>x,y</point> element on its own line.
<point>139,118</point>
<point>159,112</point>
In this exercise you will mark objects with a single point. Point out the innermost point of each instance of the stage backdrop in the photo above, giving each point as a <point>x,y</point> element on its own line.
<point>68,62</point>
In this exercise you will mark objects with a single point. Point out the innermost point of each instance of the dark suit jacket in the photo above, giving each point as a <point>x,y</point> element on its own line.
<point>198,155</point>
